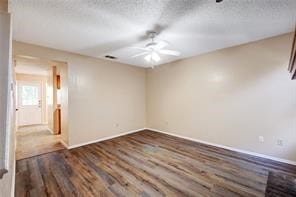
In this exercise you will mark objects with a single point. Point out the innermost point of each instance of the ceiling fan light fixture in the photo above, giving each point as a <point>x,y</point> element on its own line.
<point>154,49</point>
<point>148,58</point>
<point>155,57</point>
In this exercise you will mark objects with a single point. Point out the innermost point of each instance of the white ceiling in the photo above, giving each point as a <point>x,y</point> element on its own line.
<point>100,27</point>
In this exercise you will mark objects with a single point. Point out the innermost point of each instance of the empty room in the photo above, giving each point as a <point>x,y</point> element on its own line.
<point>147,98</point>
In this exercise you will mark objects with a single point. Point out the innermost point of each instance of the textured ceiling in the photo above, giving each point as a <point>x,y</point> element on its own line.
<point>100,27</point>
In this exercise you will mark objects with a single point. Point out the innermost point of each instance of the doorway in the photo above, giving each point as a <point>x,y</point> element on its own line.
<point>38,106</point>
<point>29,102</point>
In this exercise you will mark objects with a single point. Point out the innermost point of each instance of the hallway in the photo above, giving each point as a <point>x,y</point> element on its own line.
<point>36,140</point>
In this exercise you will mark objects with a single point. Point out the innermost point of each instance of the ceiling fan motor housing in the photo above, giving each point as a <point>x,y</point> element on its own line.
<point>151,45</point>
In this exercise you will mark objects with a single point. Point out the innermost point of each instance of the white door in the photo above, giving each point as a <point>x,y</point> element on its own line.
<point>29,103</point>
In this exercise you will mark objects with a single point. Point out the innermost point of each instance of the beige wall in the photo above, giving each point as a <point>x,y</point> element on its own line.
<point>105,98</point>
<point>229,97</point>
<point>43,80</point>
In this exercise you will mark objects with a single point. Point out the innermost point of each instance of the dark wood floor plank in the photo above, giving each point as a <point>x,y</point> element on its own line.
<point>147,163</point>
<point>206,174</point>
<point>126,178</point>
<point>84,178</point>
<point>51,186</point>
<point>170,177</point>
<point>138,170</point>
<point>208,170</point>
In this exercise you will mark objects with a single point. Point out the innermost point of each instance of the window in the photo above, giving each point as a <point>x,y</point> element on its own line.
<point>29,95</point>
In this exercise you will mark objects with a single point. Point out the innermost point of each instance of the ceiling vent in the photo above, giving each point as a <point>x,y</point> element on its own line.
<point>110,57</point>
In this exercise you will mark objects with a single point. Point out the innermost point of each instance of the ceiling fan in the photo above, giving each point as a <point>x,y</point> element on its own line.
<point>153,50</point>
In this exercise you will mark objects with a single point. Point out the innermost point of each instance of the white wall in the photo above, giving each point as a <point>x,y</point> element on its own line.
<point>7,138</point>
<point>105,98</point>
<point>50,99</point>
<point>229,97</point>
<point>64,102</point>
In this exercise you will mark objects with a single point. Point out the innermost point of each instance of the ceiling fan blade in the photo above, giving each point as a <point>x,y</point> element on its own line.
<point>140,48</point>
<point>140,54</point>
<point>160,45</point>
<point>169,52</point>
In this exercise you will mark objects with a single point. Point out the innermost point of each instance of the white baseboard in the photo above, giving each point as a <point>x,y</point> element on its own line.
<point>187,138</point>
<point>227,147</point>
<point>51,131</point>
<point>64,144</point>
<point>104,138</point>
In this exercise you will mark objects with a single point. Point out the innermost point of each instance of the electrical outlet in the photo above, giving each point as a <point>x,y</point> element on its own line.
<point>261,139</point>
<point>280,142</point>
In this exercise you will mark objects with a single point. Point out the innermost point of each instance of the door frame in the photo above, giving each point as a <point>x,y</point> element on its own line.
<point>38,84</point>
<point>43,81</point>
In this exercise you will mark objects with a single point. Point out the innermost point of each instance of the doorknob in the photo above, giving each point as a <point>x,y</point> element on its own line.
<point>16,109</point>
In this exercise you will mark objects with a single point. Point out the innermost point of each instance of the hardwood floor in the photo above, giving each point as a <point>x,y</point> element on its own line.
<point>147,163</point>
<point>36,140</point>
